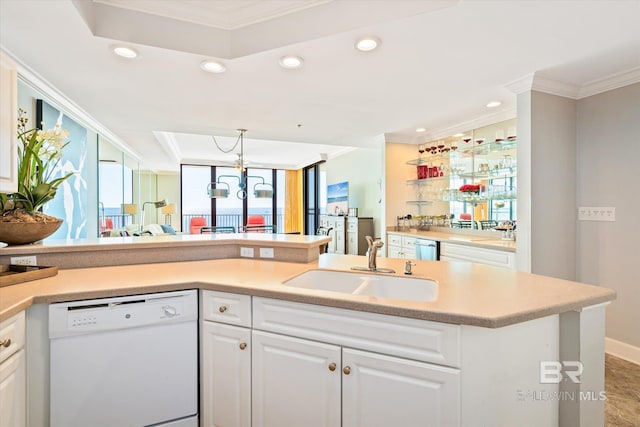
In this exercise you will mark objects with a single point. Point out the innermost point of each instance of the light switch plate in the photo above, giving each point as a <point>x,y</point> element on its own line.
<point>588,213</point>
<point>266,252</point>
<point>246,252</point>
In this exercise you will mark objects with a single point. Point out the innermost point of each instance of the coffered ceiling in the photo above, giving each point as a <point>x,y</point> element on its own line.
<point>439,64</point>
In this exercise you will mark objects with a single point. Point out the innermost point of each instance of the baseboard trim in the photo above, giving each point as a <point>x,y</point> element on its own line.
<point>622,350</point>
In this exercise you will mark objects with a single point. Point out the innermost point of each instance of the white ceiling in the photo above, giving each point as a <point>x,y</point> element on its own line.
<point>440,62</point>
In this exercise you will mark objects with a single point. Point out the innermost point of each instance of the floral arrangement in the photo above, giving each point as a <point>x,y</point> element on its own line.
<point>470,188</point>
<point>39,152</point>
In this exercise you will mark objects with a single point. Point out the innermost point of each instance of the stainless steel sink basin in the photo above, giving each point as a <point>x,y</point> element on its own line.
<point>381,286</point>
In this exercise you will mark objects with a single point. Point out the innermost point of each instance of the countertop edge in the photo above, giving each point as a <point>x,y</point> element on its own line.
<point>607,295</point>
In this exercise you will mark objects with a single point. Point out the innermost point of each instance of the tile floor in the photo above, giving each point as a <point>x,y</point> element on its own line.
<point>622,384</point>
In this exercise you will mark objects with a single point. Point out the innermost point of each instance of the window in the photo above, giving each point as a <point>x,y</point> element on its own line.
<point>231,211</point>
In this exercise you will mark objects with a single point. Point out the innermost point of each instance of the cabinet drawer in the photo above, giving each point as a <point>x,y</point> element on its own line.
<point>408,242</point>
<point>338,224</point>
<point>12,335</point>
<point>394,239</point>
<point>397,336</point>
<point>352,226</point>
<point>226,307</point>
<point>456,252</point>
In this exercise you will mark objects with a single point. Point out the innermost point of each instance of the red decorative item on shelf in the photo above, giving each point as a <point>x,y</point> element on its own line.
<point>422,171</point>
<point>470,188</point>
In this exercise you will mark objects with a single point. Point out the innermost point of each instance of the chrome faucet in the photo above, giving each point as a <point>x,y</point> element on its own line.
<point>372,252</point>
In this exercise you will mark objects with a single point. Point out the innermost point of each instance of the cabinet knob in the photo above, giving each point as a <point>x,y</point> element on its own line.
<point>332,367</point>
<point>346,370</point>
<point>5,343</point>
<point>222,308</point>
<point>243,345</point>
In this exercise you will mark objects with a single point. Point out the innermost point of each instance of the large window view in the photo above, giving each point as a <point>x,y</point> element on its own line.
<point>115,190</point>
<point>199,210</point>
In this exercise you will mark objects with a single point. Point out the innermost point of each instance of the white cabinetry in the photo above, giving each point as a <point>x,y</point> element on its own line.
<point>317,378</point>
<point>399,246</point>
<point>347,234</point>
<point>225,361</point>
<point>373,383</point>
<point>357,230</point>
<point>337,245</point>
<point>458,252</point>
<point>295,382</point>
<point>8,122</point>
<point>12,372</point>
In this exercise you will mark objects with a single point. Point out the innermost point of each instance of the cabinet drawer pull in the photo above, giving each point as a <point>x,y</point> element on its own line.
<point>346,370</point>
<point>243,345</point>
<point>332,367</point>
<point>5,343</point>
<point>222,308</point>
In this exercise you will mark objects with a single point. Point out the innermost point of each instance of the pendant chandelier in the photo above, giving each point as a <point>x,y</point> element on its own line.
<point>220,188</point>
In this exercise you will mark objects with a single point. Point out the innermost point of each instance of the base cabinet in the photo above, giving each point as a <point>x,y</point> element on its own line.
<point>300,382</point>
<point>12,391</point>
<point>457,252</point>
<point>373,383</point>
<point>226,376</point>
<point>295,382</point>
<point>13,380</point>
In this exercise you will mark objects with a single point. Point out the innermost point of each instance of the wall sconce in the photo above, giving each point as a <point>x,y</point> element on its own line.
<point>216,189</point>
<point>130,209</point>
<point>168,211</point>
<point>158,204</point>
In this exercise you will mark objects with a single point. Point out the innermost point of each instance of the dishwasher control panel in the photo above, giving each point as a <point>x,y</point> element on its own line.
<point>121,312</point>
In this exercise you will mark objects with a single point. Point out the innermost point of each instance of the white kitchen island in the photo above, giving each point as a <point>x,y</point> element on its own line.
<point>484,335</point>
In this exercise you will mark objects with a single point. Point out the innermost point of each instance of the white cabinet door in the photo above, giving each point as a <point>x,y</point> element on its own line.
<point>295,382</point>
<point>12,391</point>
<point>225,370</point>
<point>385,391</point>
<point>8,123</point>
<point>394,252</point>
<point>352,243</point>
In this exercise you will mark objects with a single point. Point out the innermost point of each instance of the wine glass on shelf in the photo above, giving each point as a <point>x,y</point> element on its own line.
<point>466,139</point>
<point>440,145</point>
<point>421,149</point>
<point>454,145</point>
<point>434,149</point>
<point>479,140</point>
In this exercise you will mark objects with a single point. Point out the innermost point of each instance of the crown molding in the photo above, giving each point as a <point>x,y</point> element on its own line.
<point>542,83</point>
<point>611,82</point>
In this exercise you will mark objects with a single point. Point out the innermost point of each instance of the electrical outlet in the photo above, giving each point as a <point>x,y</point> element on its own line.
<point>246,252</point>
<point>23,260</point>
<point>266,252</point>
<point>587,213</point>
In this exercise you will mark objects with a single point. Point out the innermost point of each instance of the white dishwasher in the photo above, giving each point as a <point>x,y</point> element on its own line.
<point>125,361</point>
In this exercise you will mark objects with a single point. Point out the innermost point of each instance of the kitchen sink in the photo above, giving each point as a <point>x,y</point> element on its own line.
<point>395,287</point>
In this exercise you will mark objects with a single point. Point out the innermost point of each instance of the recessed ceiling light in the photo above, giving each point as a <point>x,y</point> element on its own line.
<point>125,52</point>
<point>458,135</point>
<point>421,130</point>
<point>493,104</point>
<point>291,61</point>
<point>213,66</point>
<point>366,44</point>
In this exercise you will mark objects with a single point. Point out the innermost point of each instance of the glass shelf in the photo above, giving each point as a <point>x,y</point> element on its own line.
<point>484,148</point>
<point>494,174</point>
<point>428,180</point>
<point>419,202</point>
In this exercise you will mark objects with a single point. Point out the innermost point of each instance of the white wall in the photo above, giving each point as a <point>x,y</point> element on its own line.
<point>608,253</point>
<point>363,168</point>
